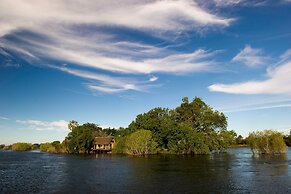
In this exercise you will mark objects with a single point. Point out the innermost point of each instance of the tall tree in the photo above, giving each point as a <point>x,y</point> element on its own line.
<point>81,138</point>
<point>159,121</point>
<point>200,116</point>
<point>73,124</point>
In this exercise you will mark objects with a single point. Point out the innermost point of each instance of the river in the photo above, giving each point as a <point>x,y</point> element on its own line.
<point>238,171</point>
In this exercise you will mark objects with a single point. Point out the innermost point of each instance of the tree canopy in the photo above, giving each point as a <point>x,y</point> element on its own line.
<point>80,139</point>
<point>140,143</point>
<point>191,128</point>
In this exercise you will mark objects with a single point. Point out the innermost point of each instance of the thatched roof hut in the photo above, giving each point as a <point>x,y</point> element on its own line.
<point>103,143</point>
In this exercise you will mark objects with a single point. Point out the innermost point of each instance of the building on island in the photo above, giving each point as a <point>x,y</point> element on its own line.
<point>103,144</point>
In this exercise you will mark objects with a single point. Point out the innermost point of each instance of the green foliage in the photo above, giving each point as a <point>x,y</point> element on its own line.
<point>109,131</point>
<point>54,147</point>
<point>267,142</point>
<point>240,140</point>
<point>21,146</point>
<point>188,141</point>
<point>122,132</point>
<point>44,147</point>
<point>73,124</point>
<point>159,121</point>
<point>80,139</point>
<point>140,143</point>
<point>2,146</point>
<point>200,116</point>
<point>119,147</point>
<point>191,128</point>
<point>287,139</point>
<point>225,139</point>
<point>35,146</point>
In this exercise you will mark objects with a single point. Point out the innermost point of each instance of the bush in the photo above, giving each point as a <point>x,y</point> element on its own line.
<point>2,146</point>
<point>267,142</point>
<point>140,143</point>
<point>44,147</point>
<point>54,147</point>
<point>21,146</point>
<point>119,147</point>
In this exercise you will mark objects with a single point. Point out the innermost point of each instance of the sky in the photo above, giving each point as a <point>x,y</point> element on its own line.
<point>106,61</point>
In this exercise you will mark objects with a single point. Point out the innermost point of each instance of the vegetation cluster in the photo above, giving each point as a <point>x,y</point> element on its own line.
<point>287,139</point>
<point>21,146</point>
<point>191,128</point>
<point>266,142</point>
<point>54,147</point>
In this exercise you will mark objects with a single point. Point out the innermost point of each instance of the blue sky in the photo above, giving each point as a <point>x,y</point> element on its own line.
<point>107,61</point>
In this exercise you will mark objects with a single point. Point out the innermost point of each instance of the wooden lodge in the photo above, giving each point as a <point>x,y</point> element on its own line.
<point>103,144</point>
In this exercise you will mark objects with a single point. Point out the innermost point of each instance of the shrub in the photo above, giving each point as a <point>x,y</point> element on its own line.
<point>119,147</point>
<point>44,147</point>
<point>21,146</point>
<point>267,142</point>
<point>140,143</point>
<point>54,147</point>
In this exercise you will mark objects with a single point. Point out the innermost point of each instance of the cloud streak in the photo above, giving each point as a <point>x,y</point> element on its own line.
<point>255,107</point>
<point>150,15</point>
<point>251,57</point>
<point>4,118</point>
<point>277,82</point>
<point>83,35</point>
<point>38,125</point>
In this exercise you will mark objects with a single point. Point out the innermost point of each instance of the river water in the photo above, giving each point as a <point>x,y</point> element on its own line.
<point>238,171</point>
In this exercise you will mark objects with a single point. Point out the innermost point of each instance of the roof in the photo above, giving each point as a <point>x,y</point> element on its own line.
<point>103,140</point>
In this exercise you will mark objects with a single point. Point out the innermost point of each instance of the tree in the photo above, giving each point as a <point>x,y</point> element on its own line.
<point>73,124</point>
<point>240,140</point>
<point>267,142</point>
<point>226,139</point>
<point>110,131</point>
<point>2,146</point>
<point>200,116</point>
<point>287,139</point>
<point>159,121</point>
<point>140,143</point>
<point>192,127</point>
<point>185,140</point>
<point>80,139</point>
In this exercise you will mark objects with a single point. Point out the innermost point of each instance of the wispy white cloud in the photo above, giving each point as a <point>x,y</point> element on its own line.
<point>248,3</point>
<point>74,32</point>
<point>153,78</point>
<point>256,107</point>
<point>60,125</point>
<point>285,56</point>
<point>4,118</point>
<point>106,89</point>
<point>278,81</point>
<point>107,54</point>
<point>138,14</point>
<point>110,84</point>
<point>123,58</point>
<point>228,2</point>
<point>251,57</point>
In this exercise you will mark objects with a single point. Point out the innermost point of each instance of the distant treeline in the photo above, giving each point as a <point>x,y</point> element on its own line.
<point>191,128</point>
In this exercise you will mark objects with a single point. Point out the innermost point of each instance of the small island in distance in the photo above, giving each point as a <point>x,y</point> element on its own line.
<point>191,128</point>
